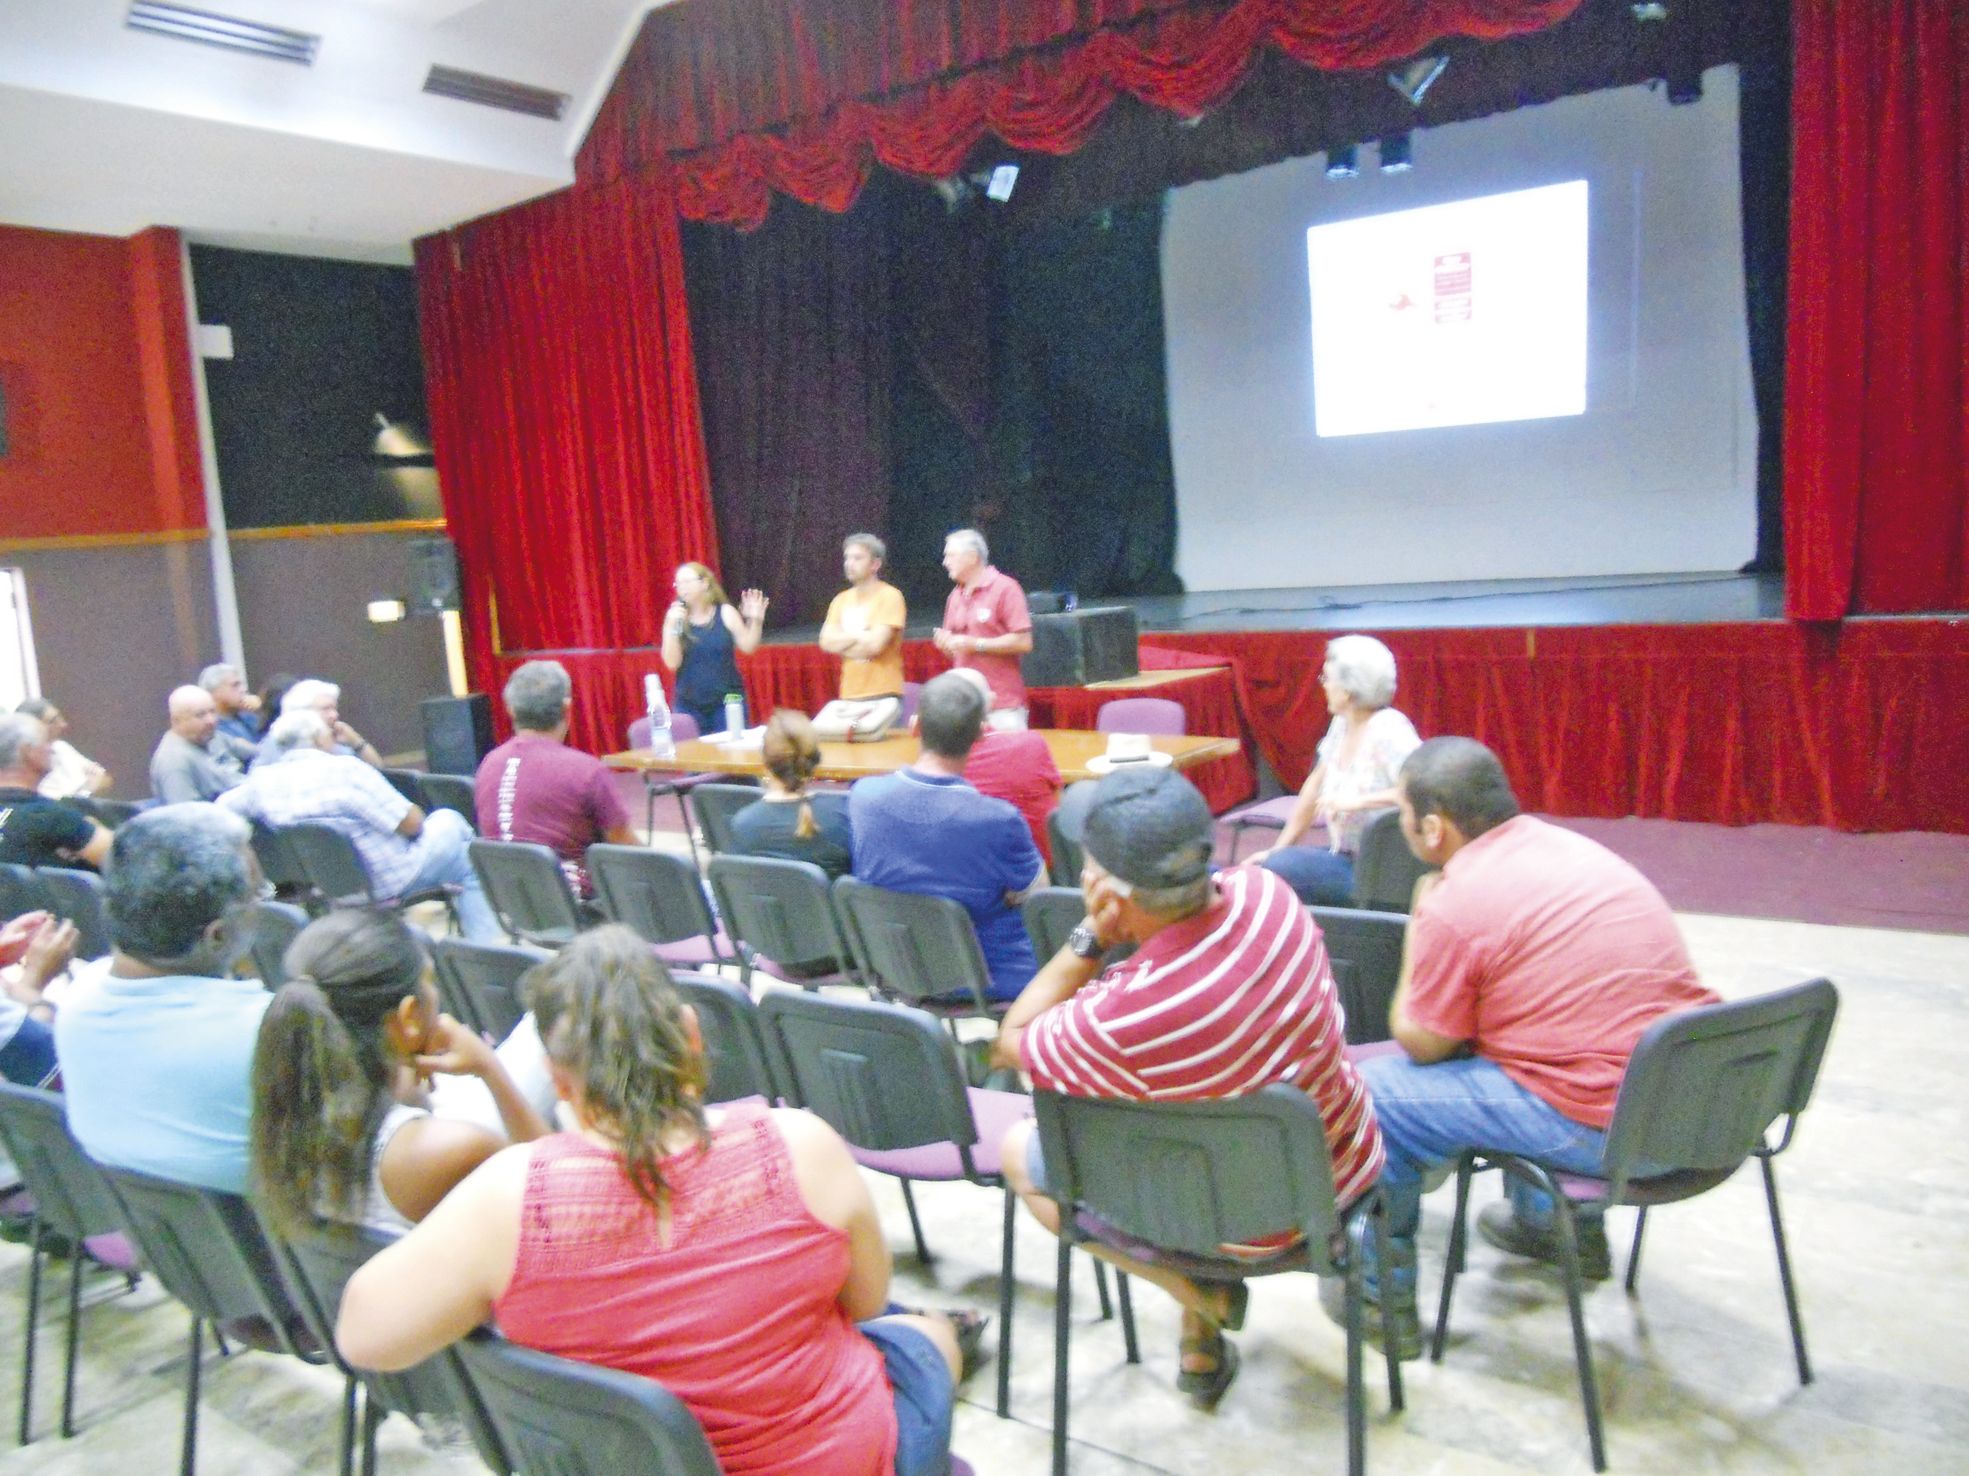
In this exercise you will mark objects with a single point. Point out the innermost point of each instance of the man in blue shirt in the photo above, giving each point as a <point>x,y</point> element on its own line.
<point>924,830</point>
<point>156,1050</point>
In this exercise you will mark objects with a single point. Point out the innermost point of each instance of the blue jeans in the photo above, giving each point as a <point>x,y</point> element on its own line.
<point>442,859</point>
<point>1431,1114</point>
<point>921,1383</point>
<point>1322,878</point>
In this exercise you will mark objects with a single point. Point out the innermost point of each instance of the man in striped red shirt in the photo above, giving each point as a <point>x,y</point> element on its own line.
<point>1229,991</point>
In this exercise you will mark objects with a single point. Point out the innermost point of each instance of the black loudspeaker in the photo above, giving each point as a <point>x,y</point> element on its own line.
<point>1083,646</point>
<point>457,733</point>
<point>433,576</point>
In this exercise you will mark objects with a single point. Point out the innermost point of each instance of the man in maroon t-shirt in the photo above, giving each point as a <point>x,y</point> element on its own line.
<point>533,787</point>
<point>1017,767</point>
<point>985,625</point>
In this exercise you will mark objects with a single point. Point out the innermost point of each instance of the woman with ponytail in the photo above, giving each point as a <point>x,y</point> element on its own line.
<point>789,822</point>
<point>733,1255</point>
<point>342,1125</point>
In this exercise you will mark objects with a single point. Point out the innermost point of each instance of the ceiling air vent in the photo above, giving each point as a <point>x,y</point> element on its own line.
<point>233,34</point>
<point>495,92</point>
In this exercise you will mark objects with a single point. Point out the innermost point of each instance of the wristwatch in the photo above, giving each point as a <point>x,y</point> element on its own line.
<point>1083,943</point>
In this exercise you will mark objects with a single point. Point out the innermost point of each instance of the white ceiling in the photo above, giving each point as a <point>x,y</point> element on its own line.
<point>108,130</point>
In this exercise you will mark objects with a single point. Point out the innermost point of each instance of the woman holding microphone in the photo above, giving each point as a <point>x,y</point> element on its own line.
<point>701,635</point>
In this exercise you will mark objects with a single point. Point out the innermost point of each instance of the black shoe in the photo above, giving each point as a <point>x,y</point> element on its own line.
<point>1499,1224</point>
<point>1408,1325</point>
<point>1206,1387</point>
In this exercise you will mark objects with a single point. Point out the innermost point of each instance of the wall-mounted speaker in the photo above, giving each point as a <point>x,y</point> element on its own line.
<point>433,576</point>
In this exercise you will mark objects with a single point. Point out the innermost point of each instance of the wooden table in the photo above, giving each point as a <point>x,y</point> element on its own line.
<point>1071,748</point>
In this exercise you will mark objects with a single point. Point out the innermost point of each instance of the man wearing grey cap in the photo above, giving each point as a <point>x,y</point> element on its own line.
<point>1229,991</point>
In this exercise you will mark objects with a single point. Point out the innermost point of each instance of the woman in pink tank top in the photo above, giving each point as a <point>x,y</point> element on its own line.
<point>728,1254</point>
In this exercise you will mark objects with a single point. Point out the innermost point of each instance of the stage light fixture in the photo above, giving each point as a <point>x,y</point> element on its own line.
<point>1003,180</point>
<point>1343,163</point>
<point>1649,10</point>
<point>1414,80</point>
<point>1397,156</point>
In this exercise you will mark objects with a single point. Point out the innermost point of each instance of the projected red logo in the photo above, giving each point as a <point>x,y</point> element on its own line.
<point>1453,287</point>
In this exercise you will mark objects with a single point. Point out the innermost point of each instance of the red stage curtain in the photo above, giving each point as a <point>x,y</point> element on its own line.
<point>1857,726</point>
<point>1877,381</point>
<point>706,82</point>
<point>565,416</point>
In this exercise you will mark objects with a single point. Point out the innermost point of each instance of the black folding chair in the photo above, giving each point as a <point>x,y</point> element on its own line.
<point>527,890</point>
<point>405,783</point>
<point>72,1202</point>
<point>781,911</point>
<point>1385,869</point>
<point>21,891</point>
<point>659,897</point>
<point>275,927</point>
<point>448,792</point>
<point>1699,1096</point>
<point>556,1417</point>
<point>480,982</point>
<point>207,1249</point>
<point>889,1082</point>
<point>736,1042</point>
<point>334,868</point>
<point>1173,1183</point>
<point>113,812</point>
<point>1365,949</point>
<point>714,805</point>
<point>918,949</point>
<point>78,897</point>
<point>282,868</point>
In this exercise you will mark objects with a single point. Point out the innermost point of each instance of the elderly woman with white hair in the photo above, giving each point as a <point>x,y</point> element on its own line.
<point>1353,776</point>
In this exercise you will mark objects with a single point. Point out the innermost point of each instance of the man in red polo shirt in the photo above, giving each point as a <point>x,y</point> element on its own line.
<point>985,625</point>
<point>1228,992</point>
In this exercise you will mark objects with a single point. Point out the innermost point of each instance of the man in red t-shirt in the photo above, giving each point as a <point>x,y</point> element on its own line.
<point>1017,767</point>
<point>1228,992</point>
<point>1536,958</point>
<point>533,787</point>
<point>985,625</point>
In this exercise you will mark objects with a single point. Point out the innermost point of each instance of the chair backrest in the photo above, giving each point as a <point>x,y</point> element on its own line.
<point>639,732</point>
<point>743,1060</point>
<point>883,1076</point>
<point>78,896</point>
<point>1385,869</point>
<point>278,863</point>
<point>113,812</point>
<point>275,925</point>
<point>912,947</point>
<point>449,792</point>
<point>406,782</point>
<point>1068,860</point>
<point>655,894</point>
<point>20,891</point>
<point>556,1417</point>
<point>527,890</point>
<point>683,727</point>
<point>912,695</point>
<point>714,805</point>
<point>1154,715</point>
<point>480,982</point>
<point>316,1266</point>
<point>329,862</point>
<point>206,1247</point>
<point>1704,1085</point>
<point>1051,913</point>
<point>1365,949</point>
<point>782,909</point>
<point>69,1193</point>
<point>1194,1176</point>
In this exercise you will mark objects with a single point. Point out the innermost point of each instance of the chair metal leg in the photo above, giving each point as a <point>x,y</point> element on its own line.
<point>1128,1342</point>
<point>346,1445</point>
<point>915,1225</point>
<point>1005,1308</point>
<point>1389,1346</point>
<point>1062,1331</point>
<point>373,1415</point>
<point>1589,1385</point>
<point>76,1260</point>
<point>1101,1289</point>
<point>1459,1229</point>
<point>1634,1251</point>
<point>33,1320</point>
<point>1784,1270</point>
<point>690,835</point>
<point>188,1454</point>
<point>1356,1401</point>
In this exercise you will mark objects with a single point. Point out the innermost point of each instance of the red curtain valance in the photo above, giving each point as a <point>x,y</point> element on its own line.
<point>873,83</point>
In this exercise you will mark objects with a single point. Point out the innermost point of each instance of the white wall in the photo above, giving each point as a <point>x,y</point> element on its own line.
<point>1657,476</point>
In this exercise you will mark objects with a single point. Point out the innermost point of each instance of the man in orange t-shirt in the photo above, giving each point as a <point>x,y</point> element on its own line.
<point>864,624</point>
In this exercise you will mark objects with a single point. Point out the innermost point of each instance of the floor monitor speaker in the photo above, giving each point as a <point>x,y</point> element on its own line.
<point>457,733</point>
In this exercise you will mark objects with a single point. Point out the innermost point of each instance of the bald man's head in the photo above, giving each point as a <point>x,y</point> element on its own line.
<point>194,715</point>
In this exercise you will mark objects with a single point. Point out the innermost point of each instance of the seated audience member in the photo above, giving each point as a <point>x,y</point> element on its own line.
<point>733,1255</point>
<point>269,699</point>
<point>238,708</point>
<point>35,831</point>
<point>156,1049</point>
<point>788,822</point>
<point>194,760</point>
<point>69,773</point>
<point>1353,776</point>
<point>1015,765</point>
<point>35,948</point>
<point>342,1118</point>
<point>1229,991</point>
<point>923,829</point>
<point>305,780</point>
<point>533,787</point>
<point>324,699</point>
<point>1535,960</point>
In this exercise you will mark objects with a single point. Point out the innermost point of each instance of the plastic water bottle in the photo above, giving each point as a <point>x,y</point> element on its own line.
<point>734,712</point>
<point>660,740</point>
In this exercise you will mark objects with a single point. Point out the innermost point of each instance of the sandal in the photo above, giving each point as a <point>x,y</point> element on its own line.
<point>1206,1386</point>
<point>969,1328</point>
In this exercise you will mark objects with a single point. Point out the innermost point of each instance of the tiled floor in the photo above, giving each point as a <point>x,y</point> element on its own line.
<point>1697,1372</point>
